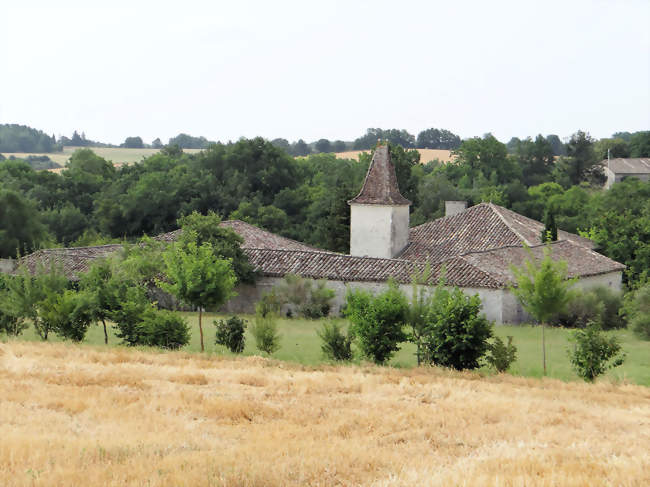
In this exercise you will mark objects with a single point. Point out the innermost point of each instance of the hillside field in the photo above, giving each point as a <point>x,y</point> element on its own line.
<point>85,415</point>
<point>117,155</point>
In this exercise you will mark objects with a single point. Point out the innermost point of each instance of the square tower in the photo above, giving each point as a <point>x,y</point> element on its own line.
<point>379,214</point>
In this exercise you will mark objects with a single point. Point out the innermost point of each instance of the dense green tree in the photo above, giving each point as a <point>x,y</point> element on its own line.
<point>581,163</point>
<point>535,159</point>
<point>487,157</point>
<point>157,143</point>
<point>30,297</point>
<point>68,314</point>
<point>620,223</point>
<point>542,287</point>
<point>437,139</point>
<point>457,333</point>
<point>640,144</point>
<point>594,353</point>
<point>339,146</point>
<point>393,136</point>
<point>282,144</point>
<point>323,145</point>
<point>134,143</point>
<point>224,241</point>
<point>67,223</point>
<point>21,226</point>
<point>185,141</point>
<point>20,138</point>
<point>85,175</point>
<point>612,148</point>
<point>377,321</point>
<point>300,148</point>
<point>559,148</point>
<point>195,274</point>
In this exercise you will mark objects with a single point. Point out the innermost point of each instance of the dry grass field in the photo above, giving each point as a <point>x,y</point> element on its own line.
<point>81,415</point>
<point>426,155</point>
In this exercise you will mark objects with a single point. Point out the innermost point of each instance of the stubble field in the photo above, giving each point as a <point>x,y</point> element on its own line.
<point>82,415</point>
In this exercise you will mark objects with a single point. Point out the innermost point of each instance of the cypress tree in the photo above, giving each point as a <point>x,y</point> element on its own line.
<point>549,234</point>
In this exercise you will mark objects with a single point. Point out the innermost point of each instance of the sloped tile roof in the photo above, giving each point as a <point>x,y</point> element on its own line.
<point>581,262</point>
<point>339,267</point>
<point>73,261</point>
<point>476,248</point>
<point>482,227</point>
<point>254,237</point>
<point>380,186</point>
<point>639,165</point>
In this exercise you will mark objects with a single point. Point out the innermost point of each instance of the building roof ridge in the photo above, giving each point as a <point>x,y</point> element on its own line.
<point>496,209</point>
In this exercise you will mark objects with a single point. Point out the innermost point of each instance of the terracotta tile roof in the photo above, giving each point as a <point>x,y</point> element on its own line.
<point>380,186</point>
<point>581,262</point>
<point>476,248</point>
<point>482,227</point>
<point>339,267</point>
<point>628,166</point>
<point>254,237</point>
<point>73,261</point>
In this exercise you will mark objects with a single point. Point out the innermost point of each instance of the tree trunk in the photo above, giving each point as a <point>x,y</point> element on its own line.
<point>201,329</point>
<point>105,334</point>
<point>543,348</point>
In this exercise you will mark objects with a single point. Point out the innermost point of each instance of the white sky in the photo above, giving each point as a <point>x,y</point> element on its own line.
<point>302,69</point>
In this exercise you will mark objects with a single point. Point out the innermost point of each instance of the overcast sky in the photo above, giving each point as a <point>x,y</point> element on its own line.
<point>226,69</point>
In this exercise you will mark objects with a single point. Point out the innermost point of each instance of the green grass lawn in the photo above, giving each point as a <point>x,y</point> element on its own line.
<point>300,343</point>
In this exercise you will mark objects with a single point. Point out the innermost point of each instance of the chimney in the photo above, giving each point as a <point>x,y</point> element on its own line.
<point>455,207</point>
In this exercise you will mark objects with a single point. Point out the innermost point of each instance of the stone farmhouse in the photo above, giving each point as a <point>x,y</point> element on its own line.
<point>474,247</point>
<point>619,169</point>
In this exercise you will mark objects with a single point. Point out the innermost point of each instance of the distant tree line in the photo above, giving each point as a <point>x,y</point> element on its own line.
<point>305,197</point>
<point>20,138</point>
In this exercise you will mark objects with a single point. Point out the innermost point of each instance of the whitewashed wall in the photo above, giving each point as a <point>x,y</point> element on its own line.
<point>378,230</point>
<point>248,296</point>
<point>499,305</point>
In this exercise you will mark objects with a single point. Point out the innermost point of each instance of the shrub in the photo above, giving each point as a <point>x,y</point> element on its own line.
<point>611,317</point>
<point>69,314</point>
<point>164,329</point>
<point>458,333</point>
<point>318,300</point>
<point>271,303</point>
<point>582,309</point>
<point>231,334</point>
<point>309,298</point>
<point>637,310</point>
<point>377,321</point>
<point>599,305</point>
<point>9,322</point>
<point>129,315</point>
<point>265,333</point>
<point>500,355</point>
<point>335,346</point>
<point>594,353</point>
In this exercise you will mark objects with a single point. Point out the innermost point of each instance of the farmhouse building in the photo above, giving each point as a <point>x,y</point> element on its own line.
<point>474,248</point>
<point>619,169</point>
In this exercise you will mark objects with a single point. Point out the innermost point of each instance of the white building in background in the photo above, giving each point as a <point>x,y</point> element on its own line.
<point>619,169</point>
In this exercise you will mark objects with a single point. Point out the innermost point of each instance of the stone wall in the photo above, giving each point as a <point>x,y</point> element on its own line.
<point>7,266</point>
<point>248,296</point>
<point>499,305</point>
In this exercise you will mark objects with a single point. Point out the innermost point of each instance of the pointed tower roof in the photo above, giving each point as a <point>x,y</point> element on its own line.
<point>380,186</point>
